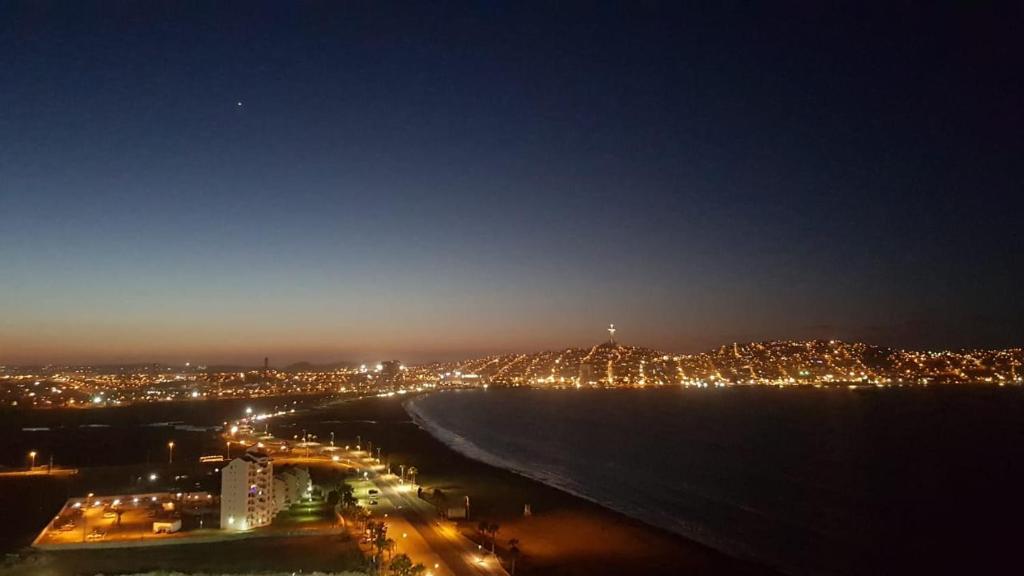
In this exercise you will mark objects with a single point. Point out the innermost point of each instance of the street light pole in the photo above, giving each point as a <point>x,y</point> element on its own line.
<point>170,452</point>
<point>32,456</point>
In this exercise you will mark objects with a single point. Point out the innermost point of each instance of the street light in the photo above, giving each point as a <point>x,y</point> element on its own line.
<point>170,452</point>
<point>32,455</point>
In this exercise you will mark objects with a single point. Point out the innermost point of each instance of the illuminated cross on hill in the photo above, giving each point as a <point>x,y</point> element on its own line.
<point>611,333</point>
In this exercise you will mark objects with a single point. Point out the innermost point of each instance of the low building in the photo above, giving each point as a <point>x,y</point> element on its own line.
<point>168,526</point>
<point>456,513</point>
<point>247,492</point>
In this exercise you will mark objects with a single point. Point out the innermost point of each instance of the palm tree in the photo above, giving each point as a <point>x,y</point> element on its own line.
<point>513,552</point>
<point>333,498</point>
<point>390,546</point>
<point>439,498</point>
<point>483,527</point>
<point>347,496</point>
<point>402,565</point>
<point>380,536</point>
<point>362,516</point>
<point>493,529</point>
<point>379,539</point>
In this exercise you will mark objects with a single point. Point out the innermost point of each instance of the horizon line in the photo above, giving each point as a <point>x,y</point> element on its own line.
<point>110,364</point>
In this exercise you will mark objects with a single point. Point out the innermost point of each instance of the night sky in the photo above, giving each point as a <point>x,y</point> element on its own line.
<point>218,181</point>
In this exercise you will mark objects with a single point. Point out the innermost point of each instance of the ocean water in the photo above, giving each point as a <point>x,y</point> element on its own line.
<point>810,481</point>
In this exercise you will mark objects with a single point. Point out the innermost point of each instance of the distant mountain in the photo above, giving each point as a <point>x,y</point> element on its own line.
<point>310,367</point>
<point>775,362</point>
<point>218,368</point>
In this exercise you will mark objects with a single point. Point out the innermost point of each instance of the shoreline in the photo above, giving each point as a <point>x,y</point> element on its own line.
<point>568,533</point>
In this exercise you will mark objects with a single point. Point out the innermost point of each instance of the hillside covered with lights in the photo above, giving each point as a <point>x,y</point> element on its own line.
<point>814,362</point>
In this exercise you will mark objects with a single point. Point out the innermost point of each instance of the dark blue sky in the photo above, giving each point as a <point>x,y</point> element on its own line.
<point>437,181</point>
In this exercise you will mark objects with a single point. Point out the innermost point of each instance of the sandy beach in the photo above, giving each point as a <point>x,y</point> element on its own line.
<point>565,535</point>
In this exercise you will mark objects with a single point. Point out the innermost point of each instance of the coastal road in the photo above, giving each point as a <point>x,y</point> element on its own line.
<point>412,522</point>
<point>459,554</point>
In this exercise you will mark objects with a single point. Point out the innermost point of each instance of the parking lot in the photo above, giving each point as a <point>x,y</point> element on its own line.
<point>136,517</point>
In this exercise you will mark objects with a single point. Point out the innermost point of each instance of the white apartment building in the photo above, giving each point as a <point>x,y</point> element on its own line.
<point>280,494</point>
<point>297,484</point>
<point>247,492</point>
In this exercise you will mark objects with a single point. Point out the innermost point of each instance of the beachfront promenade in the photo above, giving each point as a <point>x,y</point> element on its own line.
<point>413,523</point>
<point>419,532</point>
